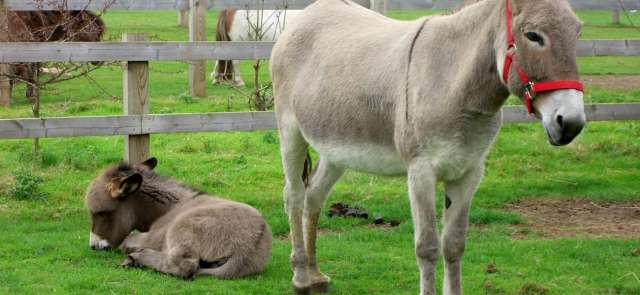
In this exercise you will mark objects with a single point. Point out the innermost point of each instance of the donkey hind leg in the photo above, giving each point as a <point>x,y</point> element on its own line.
<point>294,151</point>
<point>456,218</point>
<point>237,77</point>
<point>234,268</point>
<point>321,183</point>
<point>176,262</point>
<point>422,186</point>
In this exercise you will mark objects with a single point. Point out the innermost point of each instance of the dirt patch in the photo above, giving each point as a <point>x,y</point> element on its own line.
<point>613,82</point>
<point>578,217</point>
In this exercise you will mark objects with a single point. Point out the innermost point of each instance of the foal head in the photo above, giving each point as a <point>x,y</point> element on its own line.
<point>545,33</point>
<point>112,205</point>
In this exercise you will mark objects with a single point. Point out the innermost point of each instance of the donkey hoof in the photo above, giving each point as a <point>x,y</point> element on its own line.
<point>302,290</point>
<point>321,287</point>
<point>128,262</point>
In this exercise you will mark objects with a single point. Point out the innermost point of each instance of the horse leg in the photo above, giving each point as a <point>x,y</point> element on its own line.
<point>294,151</point>
<point>237,77</point>
<point>456,218</point>
<point>176,262</point>
<point>321,183</point>
<point>422,187</point>
<point>215,77</point>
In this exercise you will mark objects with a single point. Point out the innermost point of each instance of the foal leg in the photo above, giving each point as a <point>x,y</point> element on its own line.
<point>422,184</point>
<point>176,262</point>
<point>456,218</point>
<point>322,181</point>
<point>294,152</point>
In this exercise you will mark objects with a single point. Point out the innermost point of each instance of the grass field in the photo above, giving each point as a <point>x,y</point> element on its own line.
<point>44,242</point>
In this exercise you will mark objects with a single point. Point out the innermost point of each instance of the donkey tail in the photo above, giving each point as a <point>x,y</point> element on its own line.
<point>308,169</point>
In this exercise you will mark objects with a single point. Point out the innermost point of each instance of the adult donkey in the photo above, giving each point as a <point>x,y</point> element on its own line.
<point>420,98</point>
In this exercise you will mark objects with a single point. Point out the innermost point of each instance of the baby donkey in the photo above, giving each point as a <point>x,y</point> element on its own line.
<point>182,231</point>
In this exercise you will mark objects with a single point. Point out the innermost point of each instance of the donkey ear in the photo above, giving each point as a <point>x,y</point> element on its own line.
<point>517,6</point>
<point>127,186</point>
<point>151,163</point>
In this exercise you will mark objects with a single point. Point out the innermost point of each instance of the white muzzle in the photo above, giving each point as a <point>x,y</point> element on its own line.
<point>98,243</point>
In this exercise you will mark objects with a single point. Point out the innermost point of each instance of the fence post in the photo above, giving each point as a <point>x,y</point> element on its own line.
<point>197,32</point>
<point>183,18</point>
<point>5,84</point>
<point>379,6</point>
<point>615,17</point>
<point>136,101</point>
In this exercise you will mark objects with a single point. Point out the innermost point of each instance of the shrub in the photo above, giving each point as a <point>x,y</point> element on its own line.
<point>26,186</point>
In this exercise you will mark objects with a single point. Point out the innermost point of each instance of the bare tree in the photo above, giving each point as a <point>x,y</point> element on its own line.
<point>271,22</point>
<point>60,25</point>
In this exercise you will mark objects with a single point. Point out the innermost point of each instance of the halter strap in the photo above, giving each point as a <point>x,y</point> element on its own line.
<point>530,88</point>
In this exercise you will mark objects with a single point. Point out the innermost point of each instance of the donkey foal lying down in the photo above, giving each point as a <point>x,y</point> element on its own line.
<point>183,232</point>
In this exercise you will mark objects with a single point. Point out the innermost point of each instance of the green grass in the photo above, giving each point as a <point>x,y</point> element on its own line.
<point>44,242</point>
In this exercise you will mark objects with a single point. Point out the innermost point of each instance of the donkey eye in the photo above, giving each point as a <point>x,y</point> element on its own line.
<point>534,37</point>
<point>102,214</point>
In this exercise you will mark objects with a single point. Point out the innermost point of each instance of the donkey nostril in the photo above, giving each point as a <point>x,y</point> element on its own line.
<point>560,121</point>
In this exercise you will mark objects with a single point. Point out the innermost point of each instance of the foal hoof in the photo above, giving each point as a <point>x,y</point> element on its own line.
<point>321,287</point>
<point>128,263</point>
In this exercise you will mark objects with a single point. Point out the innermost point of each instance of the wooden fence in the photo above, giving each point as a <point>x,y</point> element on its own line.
<point>291,4</point>
<point>137,124</point>
<point>192,13</point>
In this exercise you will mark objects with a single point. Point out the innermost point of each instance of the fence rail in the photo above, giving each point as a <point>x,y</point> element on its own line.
<point>161,51</point>
<point>137,124</point>
<point>270,4</point>
<point>576,4</point>
<point>221,122</point>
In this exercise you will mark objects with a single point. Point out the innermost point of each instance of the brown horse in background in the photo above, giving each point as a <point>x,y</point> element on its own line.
<point>50,26</point>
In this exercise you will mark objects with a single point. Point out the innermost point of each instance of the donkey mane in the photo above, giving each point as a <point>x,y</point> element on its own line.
<point>158,188</point>
<point>464,5</point>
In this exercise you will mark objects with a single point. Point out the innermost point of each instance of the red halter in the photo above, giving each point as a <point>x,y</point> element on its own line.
<point>531,88</point>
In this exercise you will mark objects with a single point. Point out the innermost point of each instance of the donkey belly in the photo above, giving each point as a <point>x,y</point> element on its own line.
<point>367,158</point>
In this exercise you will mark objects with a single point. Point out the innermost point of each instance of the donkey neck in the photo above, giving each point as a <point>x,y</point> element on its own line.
<point>471,42</point>
<point>158,196</point>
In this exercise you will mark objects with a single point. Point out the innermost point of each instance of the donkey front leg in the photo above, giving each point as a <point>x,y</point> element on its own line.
<point>175,262</point>
<point>422,184</point>
<point>135,242</point>
<point>322,181</point>
<point>458,196</point>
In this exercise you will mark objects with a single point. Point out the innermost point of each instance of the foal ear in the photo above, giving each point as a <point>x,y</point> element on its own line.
<point>151,163</point>
<point>127,186</point>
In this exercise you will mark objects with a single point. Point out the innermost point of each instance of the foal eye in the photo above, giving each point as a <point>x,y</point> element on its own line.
<point>102,214</point>
<point>534,37</point>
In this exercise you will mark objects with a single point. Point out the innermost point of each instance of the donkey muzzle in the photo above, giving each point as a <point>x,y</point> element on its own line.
<point>563,115</point>
<point>98,243</point>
